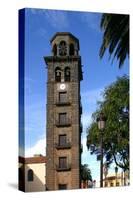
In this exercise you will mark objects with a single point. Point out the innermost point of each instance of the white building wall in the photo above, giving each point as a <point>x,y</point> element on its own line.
<point>38,183</point>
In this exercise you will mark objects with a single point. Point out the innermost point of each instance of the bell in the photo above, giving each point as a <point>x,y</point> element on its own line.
<point>58,73</point>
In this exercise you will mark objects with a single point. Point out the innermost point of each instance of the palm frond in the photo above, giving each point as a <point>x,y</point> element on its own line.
<point>115,37</point>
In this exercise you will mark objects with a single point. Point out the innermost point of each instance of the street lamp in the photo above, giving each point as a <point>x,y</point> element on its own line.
<point>101,125</point>
<point>105,171</point>
<point>116,171</point>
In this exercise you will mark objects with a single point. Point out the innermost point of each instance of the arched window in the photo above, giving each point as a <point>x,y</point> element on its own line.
<point>58,74</point>
<point>71,50</point>
<point>30,176</point>
<point>67,74</point>
<point>62,48</point>
<point>55,50</point>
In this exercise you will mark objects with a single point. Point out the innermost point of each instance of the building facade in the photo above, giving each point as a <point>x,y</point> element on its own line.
<point>113,180</point>
<point>63,146</point>
<point>32,175</point>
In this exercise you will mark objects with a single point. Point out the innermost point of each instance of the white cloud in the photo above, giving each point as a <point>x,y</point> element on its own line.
<point>57,19</point>
<point>92,20</point>
<point>38,148</point>
<point>42,32</point>
<point>92,96</point>
<point>85,152</point>
<point>86,120</point>
<point>33,11</point>
<point>89,102</point>
<point>90,160</point>
<point>34,117</point>
<point>21,151</point>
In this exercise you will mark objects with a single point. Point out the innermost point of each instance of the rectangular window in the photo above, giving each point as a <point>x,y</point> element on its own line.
<point>62,97</point>
<point>117,184</point>
<point>62,140</point>
<point>62,118</point>
<point>62,186</point>
<point>111,184</point>
<point>62,162</point>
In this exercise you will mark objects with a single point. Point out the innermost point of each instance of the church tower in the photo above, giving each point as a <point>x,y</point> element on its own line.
<point>63,131</point>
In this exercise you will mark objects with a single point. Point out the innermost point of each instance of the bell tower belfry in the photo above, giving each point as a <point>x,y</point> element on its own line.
<point>63,131</point>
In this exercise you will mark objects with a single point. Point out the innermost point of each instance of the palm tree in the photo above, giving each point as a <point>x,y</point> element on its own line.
<point>116,36</point>
<point>85,174</point>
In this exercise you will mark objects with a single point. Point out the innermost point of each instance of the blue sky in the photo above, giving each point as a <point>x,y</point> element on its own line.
<point>40,26</point>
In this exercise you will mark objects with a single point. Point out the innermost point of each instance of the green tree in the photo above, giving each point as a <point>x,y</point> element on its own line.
<point>115,106</point>
<point>85,174</point>
<point>115,36</point>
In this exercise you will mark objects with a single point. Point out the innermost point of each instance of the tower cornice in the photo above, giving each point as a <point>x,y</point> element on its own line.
<point>62,58</point>
<point>64,34</point>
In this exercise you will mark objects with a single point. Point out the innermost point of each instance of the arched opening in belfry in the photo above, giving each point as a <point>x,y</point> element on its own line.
<point>67,74</point>
<point>55,50</point>
<point>58,74</point>
<point>62,48</point>
<point>71,50</point>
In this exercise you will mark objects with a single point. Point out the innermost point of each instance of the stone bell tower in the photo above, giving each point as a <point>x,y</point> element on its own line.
<point>63,146</point>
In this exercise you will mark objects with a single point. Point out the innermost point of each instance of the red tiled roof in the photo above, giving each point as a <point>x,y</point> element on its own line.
<point>31,160</point>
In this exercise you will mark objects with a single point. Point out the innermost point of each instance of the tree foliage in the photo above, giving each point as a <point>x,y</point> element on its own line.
<point>85,173</point>
<point>115,107</point>
<point>116,36</point>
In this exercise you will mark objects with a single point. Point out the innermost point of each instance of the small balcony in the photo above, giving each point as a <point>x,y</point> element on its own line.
<point>66,167</point>
<point>63,123</point>
<point>66,145</point>
<point>63,103</point>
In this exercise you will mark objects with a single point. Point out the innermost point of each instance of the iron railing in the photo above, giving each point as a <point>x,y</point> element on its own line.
<point>63,123</point>
<point>66,167</point>
<point>64,145</point>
